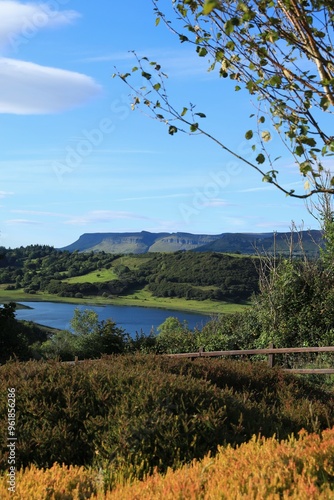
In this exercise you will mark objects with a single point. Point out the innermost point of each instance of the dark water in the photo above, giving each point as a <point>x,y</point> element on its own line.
<point>132,319</point>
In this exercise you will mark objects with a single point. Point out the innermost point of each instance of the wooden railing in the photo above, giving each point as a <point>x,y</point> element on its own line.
<point>270,352</point>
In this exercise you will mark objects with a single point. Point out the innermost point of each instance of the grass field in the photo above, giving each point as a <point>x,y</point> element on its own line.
<point>141,298</point>
<point>94,277</point>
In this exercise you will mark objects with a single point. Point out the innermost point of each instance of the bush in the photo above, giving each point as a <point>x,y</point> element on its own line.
<point>262,468</point>
<point>151,411</point>
<point>300,469</point>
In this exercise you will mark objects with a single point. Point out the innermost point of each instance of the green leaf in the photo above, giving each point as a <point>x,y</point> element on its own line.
<point>146,75</point>
<point>157,21</point>
<point>260,158</point>
<point>299,151</point>
<point>157,86</point>
<point>249,134</point>
<point>172,130</point>
<point>202,52</point>
<point>324,103</point>
<point>194,127</point>
<point>209,5</point>
<point>135,68</point>
<point>310,141</point>
<point>262,119</point>
<point>229,27</point>
<point>184,111</point>
<point>230,45</point>
<point>201,115</point>
<point>275,81</point>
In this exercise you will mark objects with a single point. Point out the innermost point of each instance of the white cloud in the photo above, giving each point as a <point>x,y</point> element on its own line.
<point>217,202</point>
<point>28,88</point>
<point>103,216</point>
<point>4,194</point>
<point>23,21</point>
<point>267,187</point>
<point>38,212</point>
<point>24,222</point>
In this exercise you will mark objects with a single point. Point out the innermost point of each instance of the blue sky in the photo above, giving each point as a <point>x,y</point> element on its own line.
<point>74,157</point>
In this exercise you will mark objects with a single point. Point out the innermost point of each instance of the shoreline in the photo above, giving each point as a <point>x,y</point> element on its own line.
<point>204,307</point>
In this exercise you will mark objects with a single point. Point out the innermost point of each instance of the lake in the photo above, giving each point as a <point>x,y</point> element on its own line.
<point>131,318</point>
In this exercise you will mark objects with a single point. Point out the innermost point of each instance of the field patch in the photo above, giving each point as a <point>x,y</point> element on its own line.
<point>98,276</point>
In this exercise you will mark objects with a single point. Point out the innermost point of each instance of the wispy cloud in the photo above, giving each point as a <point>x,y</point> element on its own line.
<point>255,189</point>
<point>24,222</point>
<point>4,194</point>
<point>104,217</point>
<point>175,62</point>
<point>217,202</point>
<point>24,20</point>
<point>39,212</point>
<point>156,197</point>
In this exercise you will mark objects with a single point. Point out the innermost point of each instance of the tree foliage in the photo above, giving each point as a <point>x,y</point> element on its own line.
<point>281,53</point>
<point>198,276</point>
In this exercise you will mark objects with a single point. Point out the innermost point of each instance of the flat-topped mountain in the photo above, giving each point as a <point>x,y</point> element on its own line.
<point>139,242</point>
<point>245,243</point>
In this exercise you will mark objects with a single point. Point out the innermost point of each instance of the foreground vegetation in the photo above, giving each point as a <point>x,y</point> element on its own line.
<point>299,469</point>
<point>129,415</point>
<point>262,468</point>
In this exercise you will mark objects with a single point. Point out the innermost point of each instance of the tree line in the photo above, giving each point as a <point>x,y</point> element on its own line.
<point>187,275</point>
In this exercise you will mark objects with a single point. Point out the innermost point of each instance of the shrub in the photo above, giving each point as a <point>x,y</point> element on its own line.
<point>148,411</point>
<point>300,469</point>
<point>262,468</point>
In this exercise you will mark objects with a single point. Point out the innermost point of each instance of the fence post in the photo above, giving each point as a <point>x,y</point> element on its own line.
<point>271,357</point>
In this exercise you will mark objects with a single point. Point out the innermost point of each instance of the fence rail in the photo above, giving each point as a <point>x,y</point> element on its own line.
<point>271,352</point>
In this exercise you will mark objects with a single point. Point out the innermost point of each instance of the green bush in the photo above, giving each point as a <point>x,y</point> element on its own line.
<point>148,410</point>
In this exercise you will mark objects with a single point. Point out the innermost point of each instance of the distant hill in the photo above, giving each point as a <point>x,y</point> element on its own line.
<point>142,242</point>
<point>250,243</point>
<point>245,243</point>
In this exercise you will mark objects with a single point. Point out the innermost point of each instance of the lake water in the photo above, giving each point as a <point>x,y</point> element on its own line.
<point>132,319</point>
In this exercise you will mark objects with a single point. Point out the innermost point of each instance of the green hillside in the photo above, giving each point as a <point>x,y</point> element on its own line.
<point>194,281</point>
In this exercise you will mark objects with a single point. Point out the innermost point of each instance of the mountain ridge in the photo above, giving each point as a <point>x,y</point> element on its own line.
<point>246,243</point>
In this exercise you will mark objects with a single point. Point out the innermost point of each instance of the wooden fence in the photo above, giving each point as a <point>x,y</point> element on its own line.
<point>270,352</point>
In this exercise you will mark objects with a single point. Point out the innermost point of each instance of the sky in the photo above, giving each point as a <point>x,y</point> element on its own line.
<point>75,158</point>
